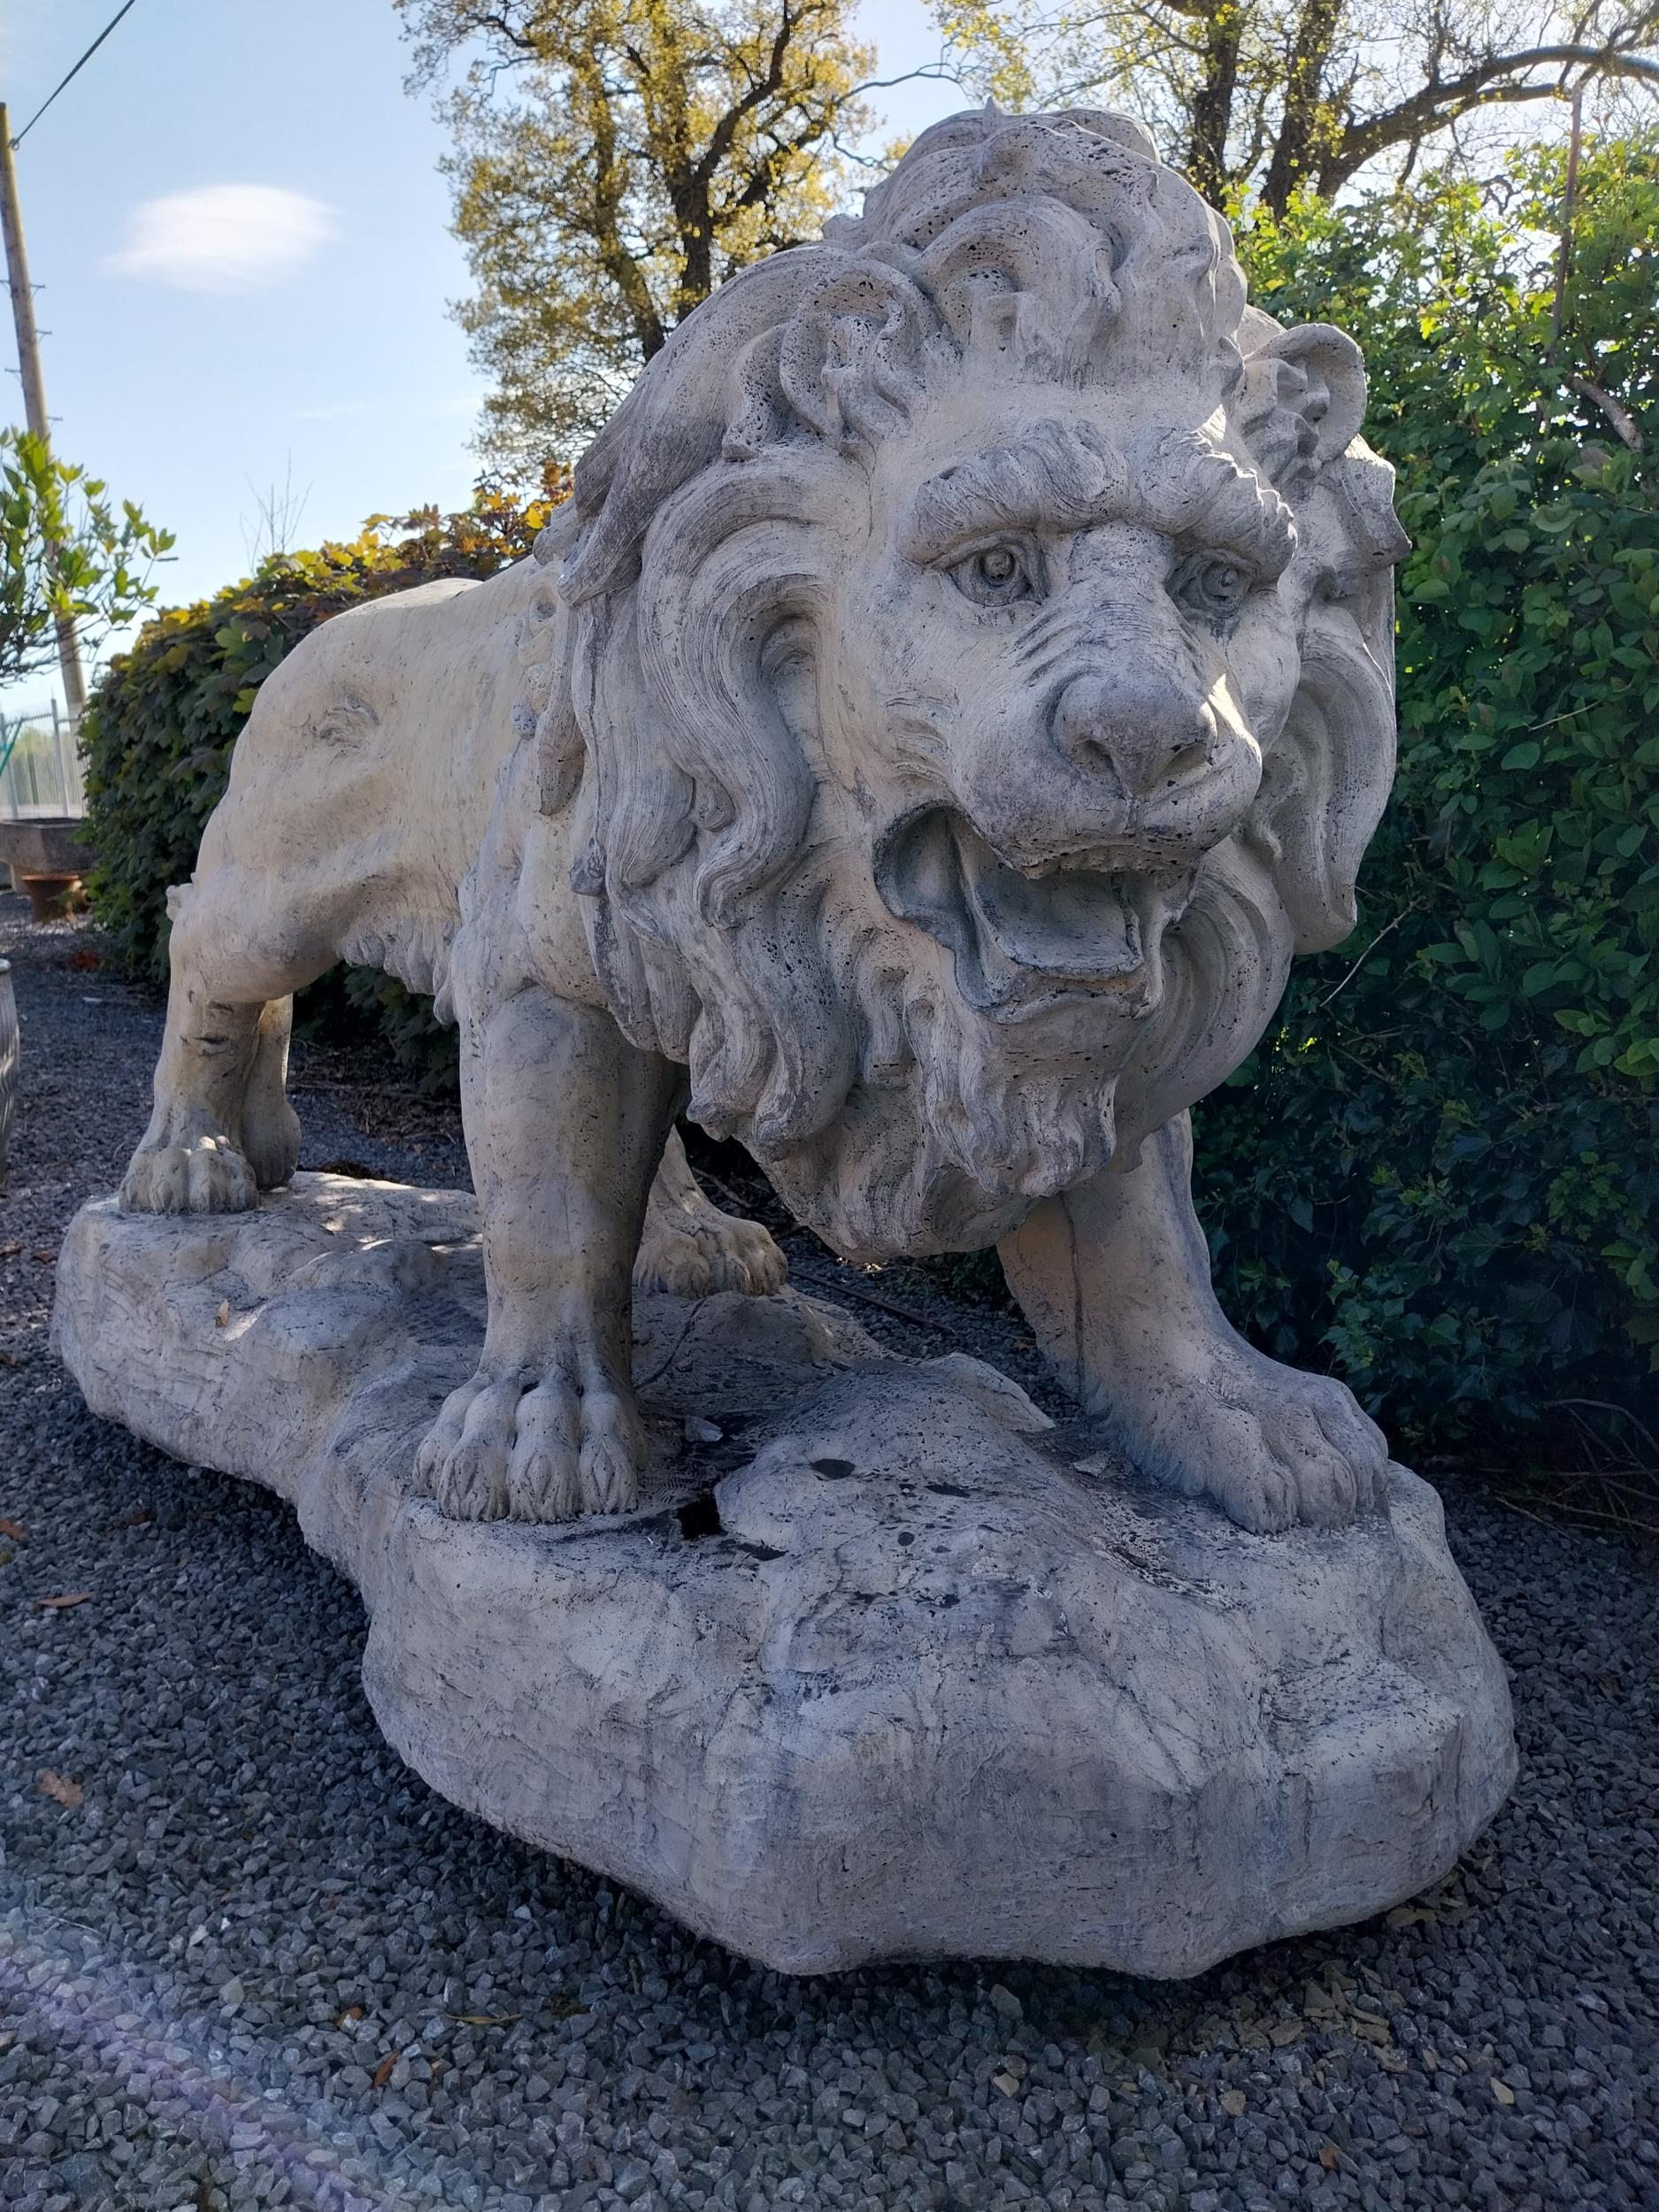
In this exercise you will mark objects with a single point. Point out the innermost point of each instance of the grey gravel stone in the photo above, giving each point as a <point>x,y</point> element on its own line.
<point>241,1821</point>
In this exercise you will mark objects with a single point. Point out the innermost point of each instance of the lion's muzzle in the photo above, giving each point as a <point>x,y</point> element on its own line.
<point>1085,928</point>
<point>1054,866</point>
<point>1139,761</point>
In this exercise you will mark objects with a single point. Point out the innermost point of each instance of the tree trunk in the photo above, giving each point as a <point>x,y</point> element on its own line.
<point>1212,106</point>
<point>1296,156</point>
<point>610,189</point>
<point>694,224</point>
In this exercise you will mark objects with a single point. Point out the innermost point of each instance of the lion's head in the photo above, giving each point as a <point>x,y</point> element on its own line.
<point>981,645</point>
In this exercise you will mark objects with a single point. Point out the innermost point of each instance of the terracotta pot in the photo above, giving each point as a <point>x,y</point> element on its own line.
<point>52,898</point>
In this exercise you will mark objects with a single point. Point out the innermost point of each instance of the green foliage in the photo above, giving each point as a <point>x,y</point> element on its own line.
<point>160,728</point>
<point>1442,1169</point>
<point>65,554</point>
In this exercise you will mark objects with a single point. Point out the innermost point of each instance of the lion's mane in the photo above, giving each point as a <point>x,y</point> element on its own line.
<point>730,928</point>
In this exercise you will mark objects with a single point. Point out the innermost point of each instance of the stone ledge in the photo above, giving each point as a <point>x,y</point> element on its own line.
<point>883,1676</point>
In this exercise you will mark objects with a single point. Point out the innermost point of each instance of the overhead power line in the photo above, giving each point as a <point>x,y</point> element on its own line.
<point>75,71</point>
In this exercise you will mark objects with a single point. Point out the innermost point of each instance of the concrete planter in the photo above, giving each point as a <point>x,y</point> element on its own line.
<point>52,897</point>
<point>35,846</point>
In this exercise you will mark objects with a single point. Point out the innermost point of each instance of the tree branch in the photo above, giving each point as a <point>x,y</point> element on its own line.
<point>1442,100</point>
<point>1299,129</point>
<point>724,130</point>
<point>1623,423</point>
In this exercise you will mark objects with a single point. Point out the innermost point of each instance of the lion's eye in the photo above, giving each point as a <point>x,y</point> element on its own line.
<point>1212,586</point>
<point>996,576</point>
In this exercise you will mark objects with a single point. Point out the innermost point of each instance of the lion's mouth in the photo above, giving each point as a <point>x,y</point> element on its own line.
<point>1079,926</point>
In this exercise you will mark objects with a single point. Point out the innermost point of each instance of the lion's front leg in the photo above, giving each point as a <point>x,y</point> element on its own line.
<point>1114,1278</point>
<point>565,1126</point>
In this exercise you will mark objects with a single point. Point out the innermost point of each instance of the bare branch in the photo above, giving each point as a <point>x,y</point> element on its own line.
<point>1440,101</point>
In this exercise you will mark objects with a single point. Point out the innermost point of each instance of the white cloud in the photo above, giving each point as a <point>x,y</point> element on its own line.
<point>224,238</point>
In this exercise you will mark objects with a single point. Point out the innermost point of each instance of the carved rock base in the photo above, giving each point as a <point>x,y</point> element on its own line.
<point>908,1684</point>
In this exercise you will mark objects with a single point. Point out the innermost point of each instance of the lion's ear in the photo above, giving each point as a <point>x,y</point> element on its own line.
<point>1326,778</point>
<point>1303,399</point>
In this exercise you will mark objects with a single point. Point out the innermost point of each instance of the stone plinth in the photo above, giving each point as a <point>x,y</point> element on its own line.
<point>905,1680</point>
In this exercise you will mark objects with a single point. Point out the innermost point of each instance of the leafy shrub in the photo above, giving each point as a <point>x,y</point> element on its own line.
<point>1441,1172</point>
<point>160,729</point>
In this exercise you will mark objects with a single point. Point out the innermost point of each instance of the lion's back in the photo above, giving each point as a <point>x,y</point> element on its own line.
<point>361,786</point>
<point>382,734</point>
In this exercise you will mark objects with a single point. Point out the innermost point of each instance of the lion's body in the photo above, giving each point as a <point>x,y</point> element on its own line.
<point>960,683</point>
<point>361,788</point>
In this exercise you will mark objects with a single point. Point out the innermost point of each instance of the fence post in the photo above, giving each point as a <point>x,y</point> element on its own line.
<point>63,763</point>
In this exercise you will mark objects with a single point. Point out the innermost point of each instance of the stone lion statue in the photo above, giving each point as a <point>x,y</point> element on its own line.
<point>960,681</point>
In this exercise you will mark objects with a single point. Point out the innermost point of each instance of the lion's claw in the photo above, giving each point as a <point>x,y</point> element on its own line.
<point>1274,1448</point>
<point>513,1446</point>
<point>203,1174</point>
<point>697,1250</point>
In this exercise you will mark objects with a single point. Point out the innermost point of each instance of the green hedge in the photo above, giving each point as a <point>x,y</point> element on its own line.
<point>161,727</point>
<point>1440,1172</point>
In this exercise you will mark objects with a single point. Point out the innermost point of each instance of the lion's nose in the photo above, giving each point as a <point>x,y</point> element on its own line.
<point>1144,731</point>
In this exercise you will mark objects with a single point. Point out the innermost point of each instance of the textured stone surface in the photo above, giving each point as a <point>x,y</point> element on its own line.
<point>905,1680</point>
<point>960,681</point>
<point>245,1824</point>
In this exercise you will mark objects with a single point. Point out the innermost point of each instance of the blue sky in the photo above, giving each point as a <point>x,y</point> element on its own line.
<point>236,220</point>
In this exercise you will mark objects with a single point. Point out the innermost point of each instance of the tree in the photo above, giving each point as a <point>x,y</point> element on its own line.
<point>66,555</point>
<point>1271,96</point>
<point>614,159</point>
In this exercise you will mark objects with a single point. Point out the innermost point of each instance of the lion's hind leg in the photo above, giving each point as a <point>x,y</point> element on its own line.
<point>270,1126</point>
<point>222,1128</point>
<point>690,1248</point>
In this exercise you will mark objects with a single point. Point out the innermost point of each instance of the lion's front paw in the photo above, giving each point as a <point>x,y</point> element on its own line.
<point>691,1251</point>
<point>515,1444</point>
<point>201,1174</point>
<point>1273,1448</point>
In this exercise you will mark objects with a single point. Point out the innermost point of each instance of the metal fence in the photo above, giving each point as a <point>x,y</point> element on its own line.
<point>40,767</point>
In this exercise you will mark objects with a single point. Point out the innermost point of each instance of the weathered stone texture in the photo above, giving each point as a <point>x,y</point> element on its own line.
<point>920,1687</point>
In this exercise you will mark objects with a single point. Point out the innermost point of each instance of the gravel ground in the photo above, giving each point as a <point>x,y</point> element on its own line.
<point>247,1959</point>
